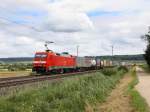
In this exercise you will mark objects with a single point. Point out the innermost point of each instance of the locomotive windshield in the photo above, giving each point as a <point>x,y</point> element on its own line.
<point>40,55</point>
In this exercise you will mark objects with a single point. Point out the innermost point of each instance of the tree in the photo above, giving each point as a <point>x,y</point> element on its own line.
<point>147,51</point>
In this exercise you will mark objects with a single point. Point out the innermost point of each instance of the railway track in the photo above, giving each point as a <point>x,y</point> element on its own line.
<point>15,81</point>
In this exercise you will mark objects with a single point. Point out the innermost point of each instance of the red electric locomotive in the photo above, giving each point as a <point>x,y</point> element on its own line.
<point>53,62</point>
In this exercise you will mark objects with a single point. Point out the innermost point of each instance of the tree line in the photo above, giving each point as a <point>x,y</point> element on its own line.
<point>146,37</point>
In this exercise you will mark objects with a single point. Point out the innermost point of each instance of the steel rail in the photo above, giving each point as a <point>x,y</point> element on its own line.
<point>8,82</point>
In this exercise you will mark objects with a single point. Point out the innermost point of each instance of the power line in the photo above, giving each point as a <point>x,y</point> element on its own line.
<point>31,27</point>
<point>14,22</point>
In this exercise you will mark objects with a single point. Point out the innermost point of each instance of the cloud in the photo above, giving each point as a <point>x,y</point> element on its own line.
<point>94,25</point>
<point>68,22</point>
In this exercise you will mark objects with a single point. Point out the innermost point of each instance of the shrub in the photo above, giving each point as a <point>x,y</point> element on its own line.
<point>124,68</point>
<point>145,67</point>
<point>109,71</point>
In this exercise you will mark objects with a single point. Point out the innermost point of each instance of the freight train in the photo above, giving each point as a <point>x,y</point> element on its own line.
<point>51,62</point>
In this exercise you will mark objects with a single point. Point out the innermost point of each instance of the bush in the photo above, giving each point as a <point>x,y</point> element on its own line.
<point>145,67</point>
<point>147,51</point>
<point>109,71</point>
<point>124,68</point>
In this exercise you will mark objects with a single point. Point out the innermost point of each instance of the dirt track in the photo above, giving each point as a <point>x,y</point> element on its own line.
<point>144,84</point>
<point>118,101</point>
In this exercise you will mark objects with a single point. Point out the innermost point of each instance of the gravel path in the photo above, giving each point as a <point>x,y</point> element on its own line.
<point>143,87</point>
<point>118,101</point>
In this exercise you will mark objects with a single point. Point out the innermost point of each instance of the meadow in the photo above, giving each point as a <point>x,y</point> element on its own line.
<point>74,94</point>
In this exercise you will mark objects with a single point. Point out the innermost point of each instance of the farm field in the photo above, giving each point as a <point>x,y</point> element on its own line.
<point>6,74</point>
<point>15,69</point>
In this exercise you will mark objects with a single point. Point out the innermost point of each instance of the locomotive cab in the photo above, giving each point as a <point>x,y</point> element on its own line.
<point>40,61</point>
<point>51,62</point>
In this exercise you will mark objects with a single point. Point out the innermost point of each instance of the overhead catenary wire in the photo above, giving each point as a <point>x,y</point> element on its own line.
<point>24,25</point>
<point>27,26</point>
<point>14,22</point>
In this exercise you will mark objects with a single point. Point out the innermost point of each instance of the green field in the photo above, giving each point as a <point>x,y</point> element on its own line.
<point>4,67</point>
<point>70,95</point>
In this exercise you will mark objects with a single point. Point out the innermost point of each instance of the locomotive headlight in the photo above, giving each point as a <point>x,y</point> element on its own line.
<point>40,62</point>
<point>43,62</point>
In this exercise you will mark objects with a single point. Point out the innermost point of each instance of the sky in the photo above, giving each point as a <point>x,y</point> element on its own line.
<point>93,25</point>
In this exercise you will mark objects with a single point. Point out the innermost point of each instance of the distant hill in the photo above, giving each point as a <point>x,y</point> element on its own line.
<point>16,59</point>
<point>115,57</point>
<point>123,57</point>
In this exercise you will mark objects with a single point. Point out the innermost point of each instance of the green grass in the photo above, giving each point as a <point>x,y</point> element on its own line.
<point>15,66</point>
<point>70,95</point>
<point>146,68</point>
<point>109,71</point>
<point>137,101</point>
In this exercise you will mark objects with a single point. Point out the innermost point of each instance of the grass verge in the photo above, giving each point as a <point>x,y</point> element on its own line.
<point>146,68</point>
<point>70,95</point>
<point>137,101</point>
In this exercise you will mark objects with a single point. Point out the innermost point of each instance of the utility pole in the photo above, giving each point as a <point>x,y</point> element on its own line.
<point>77,50</point>
<point>112,47</point>
<point>112,50</point>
